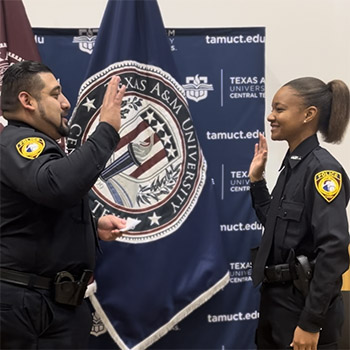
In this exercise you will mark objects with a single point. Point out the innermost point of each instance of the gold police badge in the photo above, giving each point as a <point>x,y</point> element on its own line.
<point>30,147</point>
<point>328,184</point>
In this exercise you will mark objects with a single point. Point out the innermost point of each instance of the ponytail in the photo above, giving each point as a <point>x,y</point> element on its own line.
<point>339,113</point>
<point>332,101</point>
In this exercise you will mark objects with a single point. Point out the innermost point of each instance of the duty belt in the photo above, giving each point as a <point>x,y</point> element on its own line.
<point>278,273</point>
<point>66,289</point>
<point>25,279</point>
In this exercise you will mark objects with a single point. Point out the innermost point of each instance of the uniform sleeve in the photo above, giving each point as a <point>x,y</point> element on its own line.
<point>260,199</point>
<point>331,238</point>
<point>55,180</point>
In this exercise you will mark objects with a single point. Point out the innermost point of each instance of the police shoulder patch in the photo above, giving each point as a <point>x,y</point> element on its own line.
<point>328,184</point>
<point>30,147</point>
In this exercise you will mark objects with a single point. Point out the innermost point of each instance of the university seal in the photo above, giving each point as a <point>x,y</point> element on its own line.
<point>157,172</point>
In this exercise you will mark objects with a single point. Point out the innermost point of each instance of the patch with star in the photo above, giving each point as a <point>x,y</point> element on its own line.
<point>30,147</point>
<point>328,184</point>
<point>157,172</point>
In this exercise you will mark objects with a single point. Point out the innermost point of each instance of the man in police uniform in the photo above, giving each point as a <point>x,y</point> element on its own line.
<point>48,236</point>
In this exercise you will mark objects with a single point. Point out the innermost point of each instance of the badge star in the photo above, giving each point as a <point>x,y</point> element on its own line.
<point>166,139</point>
<point>89,104</point>
<point>171,151</point>
<point>154,219</point>
<point>149,117</point>
<point>159,127</point>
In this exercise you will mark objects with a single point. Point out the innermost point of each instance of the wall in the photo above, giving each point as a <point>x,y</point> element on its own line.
<point>303,38</point>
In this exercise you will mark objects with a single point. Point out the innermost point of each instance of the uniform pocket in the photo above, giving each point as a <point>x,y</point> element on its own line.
<point>291,211</point>
<point>38,310</point>
<point>288,226</point>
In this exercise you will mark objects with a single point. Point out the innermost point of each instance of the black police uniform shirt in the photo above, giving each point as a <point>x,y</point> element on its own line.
<point>46,224</point>
<point>312,220</point>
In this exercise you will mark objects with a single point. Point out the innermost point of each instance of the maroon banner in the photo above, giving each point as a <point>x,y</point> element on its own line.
<point>16,38</point>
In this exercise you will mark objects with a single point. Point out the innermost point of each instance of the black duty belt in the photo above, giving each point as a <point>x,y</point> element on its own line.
<point>25,279</point>
<point>278,273</point>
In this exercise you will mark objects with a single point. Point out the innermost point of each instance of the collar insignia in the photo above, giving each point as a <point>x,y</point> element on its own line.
<point>328,184</point>
<point>30,147</point>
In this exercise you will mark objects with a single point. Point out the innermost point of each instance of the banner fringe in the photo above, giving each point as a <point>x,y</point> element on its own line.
<point>204,297</point>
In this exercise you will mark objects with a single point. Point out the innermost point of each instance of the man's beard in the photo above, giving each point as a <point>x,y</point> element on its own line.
<point>63,129</point>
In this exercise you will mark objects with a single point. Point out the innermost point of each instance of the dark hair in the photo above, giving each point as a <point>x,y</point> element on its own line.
<point>21,76</point>
<point>332,101</point>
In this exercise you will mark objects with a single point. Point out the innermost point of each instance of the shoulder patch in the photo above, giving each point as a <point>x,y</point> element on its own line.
<point>328,184</point>
<point>30,147</point>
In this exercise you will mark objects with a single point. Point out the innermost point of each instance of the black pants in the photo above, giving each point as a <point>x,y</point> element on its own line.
<point>30,319</point>
<point>280,308</point>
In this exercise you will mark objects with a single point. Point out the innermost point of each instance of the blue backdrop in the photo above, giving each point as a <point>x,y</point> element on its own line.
<point>222,71</point>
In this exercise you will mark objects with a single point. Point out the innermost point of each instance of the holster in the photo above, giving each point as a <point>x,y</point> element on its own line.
<point>69,291</point>
<point>304,272</point>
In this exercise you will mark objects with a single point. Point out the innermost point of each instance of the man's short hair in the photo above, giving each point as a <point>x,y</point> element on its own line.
<point>21,76</point>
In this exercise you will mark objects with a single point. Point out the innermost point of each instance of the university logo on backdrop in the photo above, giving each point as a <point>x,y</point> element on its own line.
<point>157,172</point>
<point>197,88</point>
<point>86,40</point>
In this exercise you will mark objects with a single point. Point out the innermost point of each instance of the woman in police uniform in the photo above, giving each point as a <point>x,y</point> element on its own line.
<point>304,249</point>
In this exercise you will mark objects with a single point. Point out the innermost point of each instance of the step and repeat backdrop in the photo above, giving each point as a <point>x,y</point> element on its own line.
<point>222,73</point>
